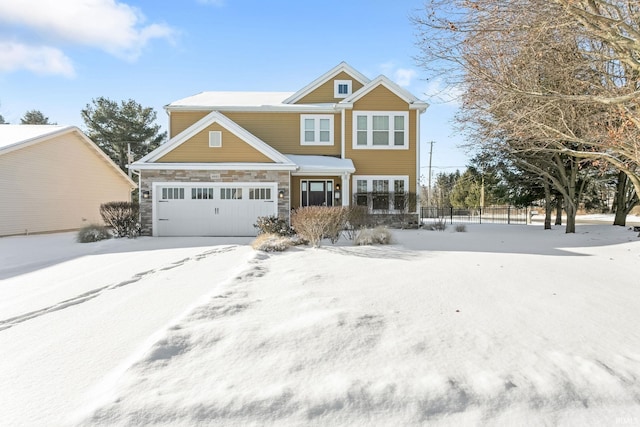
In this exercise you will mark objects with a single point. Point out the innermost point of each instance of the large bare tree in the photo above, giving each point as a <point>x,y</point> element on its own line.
<point>551,77</point>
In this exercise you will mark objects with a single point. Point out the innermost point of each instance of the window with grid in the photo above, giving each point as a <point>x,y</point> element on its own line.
<point>316,129</point>
<point>260,194</point>
<point>173,193</point>
<point>230,193</point>
<point>202,193</point>
<point>381,130</point>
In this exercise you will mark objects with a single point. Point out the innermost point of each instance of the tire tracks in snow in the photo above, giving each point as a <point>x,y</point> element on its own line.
<point>94,293</point>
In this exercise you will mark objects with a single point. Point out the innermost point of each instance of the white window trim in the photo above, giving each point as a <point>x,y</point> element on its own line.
<point>336,85</point>
<point>369,115</point>
<point>215,139</point>
<point>316,118</point>
<point>371,178</point>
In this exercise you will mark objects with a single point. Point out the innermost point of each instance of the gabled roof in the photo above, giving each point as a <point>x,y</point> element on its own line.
<point>17,137</point>
<point>343,66</point>
<point>202,124</point>
<point>381,80</point>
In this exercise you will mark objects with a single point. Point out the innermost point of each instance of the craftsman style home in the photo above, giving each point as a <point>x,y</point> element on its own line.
<point>235,156</point>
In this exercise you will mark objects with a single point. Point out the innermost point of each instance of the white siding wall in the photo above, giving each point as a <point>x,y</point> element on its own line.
<point>55,185</point>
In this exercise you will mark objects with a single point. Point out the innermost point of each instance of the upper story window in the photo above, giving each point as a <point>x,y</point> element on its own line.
<point>316,129</point>
<point>380,130</point>
<point>341,88</point>
<point>215,139</point>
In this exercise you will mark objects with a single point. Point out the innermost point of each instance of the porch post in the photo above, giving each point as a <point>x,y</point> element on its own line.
<point>346,190</point>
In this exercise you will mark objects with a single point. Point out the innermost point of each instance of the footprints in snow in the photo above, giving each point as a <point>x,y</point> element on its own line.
<point>94,293</point>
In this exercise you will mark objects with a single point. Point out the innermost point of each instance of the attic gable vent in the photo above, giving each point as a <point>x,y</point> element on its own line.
<point>215,139</point>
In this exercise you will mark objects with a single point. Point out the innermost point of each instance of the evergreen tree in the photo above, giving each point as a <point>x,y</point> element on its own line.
<point>35,117</point>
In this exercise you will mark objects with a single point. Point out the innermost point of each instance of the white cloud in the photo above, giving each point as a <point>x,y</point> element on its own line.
<point>38,59</point>
<point>404,76</point>
<point>114,27</point>
<point>438,90</point>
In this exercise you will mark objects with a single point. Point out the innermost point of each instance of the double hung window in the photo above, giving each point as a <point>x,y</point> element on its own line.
<point>316,129</point>
<point>381,193</point>
<point>380,130</point>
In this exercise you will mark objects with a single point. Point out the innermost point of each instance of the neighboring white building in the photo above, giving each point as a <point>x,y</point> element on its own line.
<point>54,178</point>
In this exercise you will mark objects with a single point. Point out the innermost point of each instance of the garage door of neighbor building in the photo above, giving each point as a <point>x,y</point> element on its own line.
<point>212,209</point>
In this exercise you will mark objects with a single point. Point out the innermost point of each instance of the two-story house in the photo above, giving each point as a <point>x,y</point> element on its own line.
<point>235,156</point>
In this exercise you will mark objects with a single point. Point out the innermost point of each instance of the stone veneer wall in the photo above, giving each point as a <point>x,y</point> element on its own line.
<point>148,177</point>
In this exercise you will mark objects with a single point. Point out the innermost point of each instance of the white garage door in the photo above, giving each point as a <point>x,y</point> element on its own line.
<point>212,209</point>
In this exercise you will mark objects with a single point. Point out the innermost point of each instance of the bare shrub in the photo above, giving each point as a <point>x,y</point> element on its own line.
<point>273,225</point>
<point>93,233</point>
<point>122,217</point>
<point>356,218</point>
<point>461,228</point>
<point>271,242</point>
<point>438,225</point>
<point>313,223</point>
<point>368,236</point>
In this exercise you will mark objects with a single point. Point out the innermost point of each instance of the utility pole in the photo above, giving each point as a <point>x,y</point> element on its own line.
<point>429,180</point>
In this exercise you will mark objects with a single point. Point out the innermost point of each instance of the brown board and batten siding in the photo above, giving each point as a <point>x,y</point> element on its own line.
<point>282,132</point>
<point>56,185</point>
<point>325,92</point>
<point>181,120</point>
<point>197,150</point>
<point>381,161</point>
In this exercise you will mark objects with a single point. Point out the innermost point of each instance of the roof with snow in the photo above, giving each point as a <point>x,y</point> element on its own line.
<point>13,135</point>
<point>321,164</point>
<point>232,99</point>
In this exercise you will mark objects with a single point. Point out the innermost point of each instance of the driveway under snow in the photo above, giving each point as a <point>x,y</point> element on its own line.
<point>506,325</point>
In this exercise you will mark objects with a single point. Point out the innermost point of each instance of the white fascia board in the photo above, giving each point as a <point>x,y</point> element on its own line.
<point>214,166</point>
<point>302,108</point>
<point>408,97</point>
<point>343,66</point>
<point>24,143</point>
<point>225,122</point>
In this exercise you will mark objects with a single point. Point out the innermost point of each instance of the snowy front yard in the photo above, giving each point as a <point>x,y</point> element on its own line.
<point>501,325</point>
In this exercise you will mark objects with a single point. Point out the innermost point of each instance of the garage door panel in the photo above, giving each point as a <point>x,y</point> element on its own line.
<point>213,209</point>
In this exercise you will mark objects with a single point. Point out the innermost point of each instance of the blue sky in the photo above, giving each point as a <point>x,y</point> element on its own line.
<point>57,56</point>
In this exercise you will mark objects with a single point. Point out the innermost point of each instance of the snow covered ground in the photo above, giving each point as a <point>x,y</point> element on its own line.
<point>499,325</point>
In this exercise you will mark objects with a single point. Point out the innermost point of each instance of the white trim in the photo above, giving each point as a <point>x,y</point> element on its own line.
<point>215,139</point>
<point>336,88</point>
<point>418,158</point>
<point>343,66</point>
<point>369,115</point>
<point>414,103</point>
<point>342,135</point>
<point>316,129</point>
<point>202,124</point>
<point>216,166</point>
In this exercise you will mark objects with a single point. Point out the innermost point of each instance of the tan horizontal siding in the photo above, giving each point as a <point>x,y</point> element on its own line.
<point>324,93</point>
<point>282,132</point>
<point>380,161</point>
<point>56,185</point>
<point>181,120</point>
<point>197,150</point>
<point>381,99</point>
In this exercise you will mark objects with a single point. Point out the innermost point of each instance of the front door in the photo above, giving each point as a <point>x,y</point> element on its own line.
<point>317,192</point>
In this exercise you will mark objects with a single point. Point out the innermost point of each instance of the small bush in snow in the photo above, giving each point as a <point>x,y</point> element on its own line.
<point>273,225</point>
<point>356,218</point>
<point>270,242</point>
<point>439,225</point>
<point>93,233</point>
<point>313,223</point>
<point>461,228</point>
<point>375,236</point>
<point>122,217</point>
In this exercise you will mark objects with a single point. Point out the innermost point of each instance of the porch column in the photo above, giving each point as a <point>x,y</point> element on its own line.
<point>346,190</point>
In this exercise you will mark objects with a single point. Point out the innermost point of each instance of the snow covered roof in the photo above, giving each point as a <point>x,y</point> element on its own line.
<point>13,135</point>
<point>321,164</point>
<point>231,99</point>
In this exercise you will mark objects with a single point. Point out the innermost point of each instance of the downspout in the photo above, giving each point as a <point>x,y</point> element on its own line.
<point>417,160</point>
